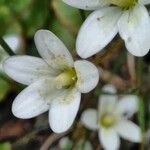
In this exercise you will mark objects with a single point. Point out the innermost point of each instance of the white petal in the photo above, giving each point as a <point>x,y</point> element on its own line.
<point>13,41</point>
<point>89,119</point>
<point>128,130</point>
<point>108,101</point>
<point>35,99</point>
<point>134,28</point>
<point>52,49</point>
<point>145,2</point>
<point>87,74</point>
<point>64,110</point>
<point>26,69</point>
<point>97,31</point>
<point>86,4</point>
<point>128,105</point>
<point>109,139</point>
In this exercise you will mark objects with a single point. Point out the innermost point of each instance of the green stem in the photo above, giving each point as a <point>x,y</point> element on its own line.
<point>141,118</point>
<point>141,112</point>
<point>6,47</point>
<point>140,71</point>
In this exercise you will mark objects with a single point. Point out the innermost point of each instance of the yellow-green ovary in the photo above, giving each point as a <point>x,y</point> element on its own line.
<point>107,120</point>
<point>66,78</point>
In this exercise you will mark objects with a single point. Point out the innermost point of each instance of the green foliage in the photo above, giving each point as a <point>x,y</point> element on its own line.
<point>5,18</point>
<point>5,146</point>
<point>4,88</point>
<point>17,6</point>
<point>22,14</point>
<point>63,34</point>
<point>68,16</point>
<point>31,20</point>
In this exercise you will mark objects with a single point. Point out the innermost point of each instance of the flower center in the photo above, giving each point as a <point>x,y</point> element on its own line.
<point>107,120</point>
<point>66,79</point>
<point>125,4</point>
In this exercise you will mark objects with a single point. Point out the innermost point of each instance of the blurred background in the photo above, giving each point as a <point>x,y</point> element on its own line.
<point>19,20</point>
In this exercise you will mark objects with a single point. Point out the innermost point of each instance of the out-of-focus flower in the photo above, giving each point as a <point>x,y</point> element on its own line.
<point>55,82</point>
<point>67,144</point>
<point>14,42</point>
<point>111,120</point>
<point>128,17</point>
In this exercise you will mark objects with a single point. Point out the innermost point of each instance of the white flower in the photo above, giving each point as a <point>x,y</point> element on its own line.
<point>111,120</point>
<point>55,82</point>
<point>128,17</point>
<point>14,42</point>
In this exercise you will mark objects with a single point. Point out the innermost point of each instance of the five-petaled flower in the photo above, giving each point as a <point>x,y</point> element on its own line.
<point>128,17</point>
<point>55,82</point>
<point>111,120</point>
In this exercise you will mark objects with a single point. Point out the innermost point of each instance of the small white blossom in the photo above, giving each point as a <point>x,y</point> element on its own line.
<point>55,82</point>
<point>111,120</point>
<point>14,42</point>
<point>128,17</point>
